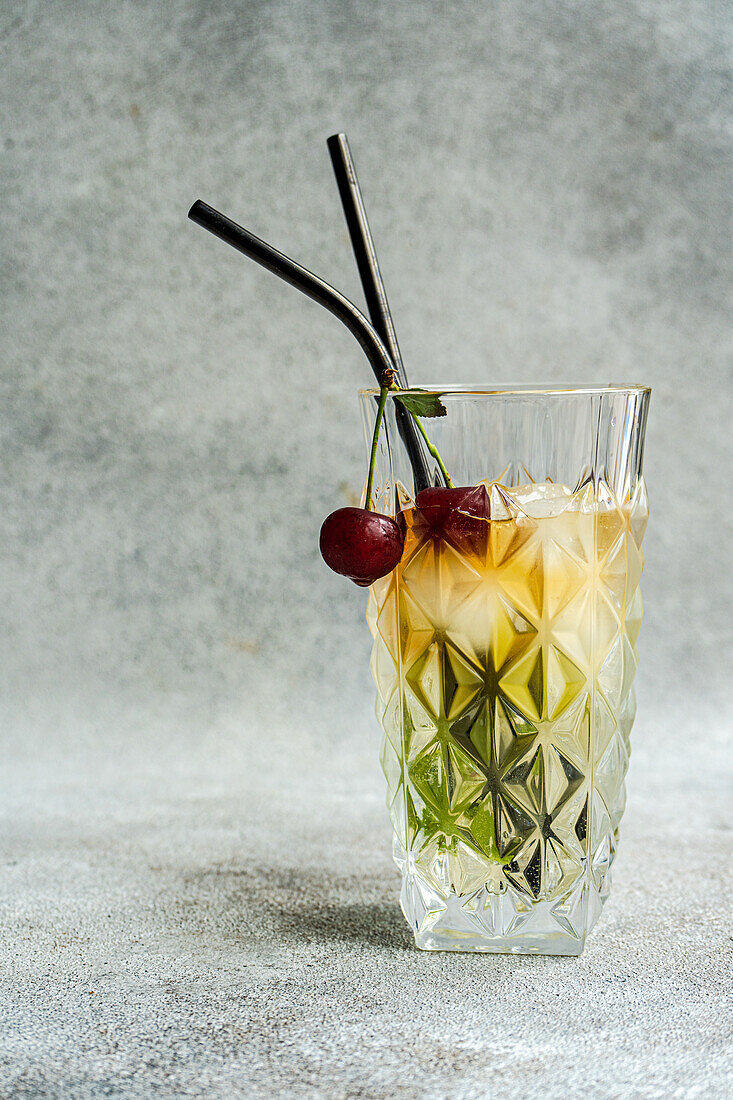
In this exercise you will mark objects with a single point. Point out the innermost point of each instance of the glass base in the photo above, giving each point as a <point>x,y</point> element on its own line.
<point>540,945</point>
<point>505,922</point>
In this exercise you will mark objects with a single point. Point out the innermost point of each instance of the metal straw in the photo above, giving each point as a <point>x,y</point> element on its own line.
<point>374,292</point>
<point>310,284</point>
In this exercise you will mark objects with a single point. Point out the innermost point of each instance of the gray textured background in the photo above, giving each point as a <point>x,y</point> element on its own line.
<point>196,891</point>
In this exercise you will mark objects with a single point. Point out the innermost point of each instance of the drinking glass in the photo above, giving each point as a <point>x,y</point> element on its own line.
<point>504,658</point>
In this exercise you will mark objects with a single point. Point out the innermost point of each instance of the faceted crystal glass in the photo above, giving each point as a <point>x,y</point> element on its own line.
<point>504,660</point>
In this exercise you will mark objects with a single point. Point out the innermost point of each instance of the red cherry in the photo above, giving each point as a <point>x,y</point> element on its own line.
<point>458,514</point>
<point>361,545</point>
<point>436,505</point>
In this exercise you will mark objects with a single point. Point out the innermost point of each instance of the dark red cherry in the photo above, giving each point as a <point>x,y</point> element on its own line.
<point>459,514</point>
<point>435,505</point>
<point>361,545</point>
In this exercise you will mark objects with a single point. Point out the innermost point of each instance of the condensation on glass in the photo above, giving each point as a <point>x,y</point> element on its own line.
<point>505,670</point>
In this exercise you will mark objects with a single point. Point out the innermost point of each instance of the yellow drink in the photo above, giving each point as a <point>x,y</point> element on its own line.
<point>504,665</point>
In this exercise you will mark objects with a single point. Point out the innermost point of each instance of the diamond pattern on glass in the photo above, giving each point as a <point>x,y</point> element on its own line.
<point>506,698</point>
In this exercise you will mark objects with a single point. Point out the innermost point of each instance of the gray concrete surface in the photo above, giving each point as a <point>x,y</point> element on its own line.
<point>196,892</point>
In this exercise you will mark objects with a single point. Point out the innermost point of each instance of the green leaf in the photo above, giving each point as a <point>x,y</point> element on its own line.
<point>422,403</point>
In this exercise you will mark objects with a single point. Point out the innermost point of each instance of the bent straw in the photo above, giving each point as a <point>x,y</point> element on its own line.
<point>367,262</point>
<point>310,285</point>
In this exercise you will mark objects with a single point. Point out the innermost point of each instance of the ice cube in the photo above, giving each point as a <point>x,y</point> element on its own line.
<point>542,499</point>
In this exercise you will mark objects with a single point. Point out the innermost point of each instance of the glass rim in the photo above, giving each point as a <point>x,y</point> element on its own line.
<point>529,390</point>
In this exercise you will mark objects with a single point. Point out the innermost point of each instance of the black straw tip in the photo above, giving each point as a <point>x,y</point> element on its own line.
<point>195,211</point>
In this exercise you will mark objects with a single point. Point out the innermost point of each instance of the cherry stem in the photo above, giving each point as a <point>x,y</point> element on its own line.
<point>387,385</point>
<point>375,443</point>
<point>434,451</point>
